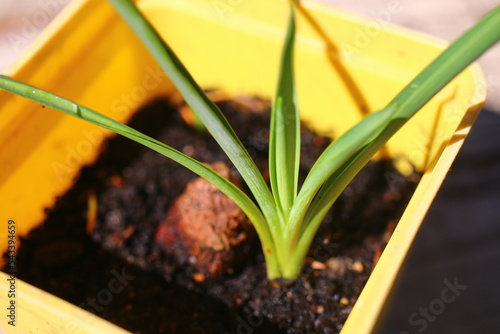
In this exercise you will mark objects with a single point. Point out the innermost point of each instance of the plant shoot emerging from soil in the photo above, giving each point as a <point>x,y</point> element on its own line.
<point>285,218</point>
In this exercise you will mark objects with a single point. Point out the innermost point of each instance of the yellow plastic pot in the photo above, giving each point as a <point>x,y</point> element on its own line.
<point>346,66</point>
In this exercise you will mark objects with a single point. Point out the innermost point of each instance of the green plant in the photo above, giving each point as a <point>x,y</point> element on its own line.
<point>285,218</point>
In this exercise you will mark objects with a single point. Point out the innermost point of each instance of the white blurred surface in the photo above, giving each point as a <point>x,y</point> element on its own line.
<point>22,20</point>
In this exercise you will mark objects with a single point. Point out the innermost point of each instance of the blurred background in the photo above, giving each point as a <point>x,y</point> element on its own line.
<point>459,242</point>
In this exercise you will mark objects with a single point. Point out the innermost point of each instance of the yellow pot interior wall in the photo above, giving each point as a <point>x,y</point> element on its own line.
<point>345,67</point>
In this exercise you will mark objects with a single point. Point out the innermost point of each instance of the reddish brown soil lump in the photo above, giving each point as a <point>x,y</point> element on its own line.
<point>206,228</point>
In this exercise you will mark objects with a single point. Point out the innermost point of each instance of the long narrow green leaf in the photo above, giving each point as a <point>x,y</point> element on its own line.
<point>206,110</point>
<point>460,54</point>
<point>428,83</point>
<point>284,144</point>
<point>335,155</point>
<point>324,200</point>
<point>84,113</point>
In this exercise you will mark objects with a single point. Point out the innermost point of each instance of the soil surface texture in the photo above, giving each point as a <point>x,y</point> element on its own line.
<point>108,260</point>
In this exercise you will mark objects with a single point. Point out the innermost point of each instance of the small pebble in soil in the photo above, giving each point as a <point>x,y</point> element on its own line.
<point>317,265</point>
<point>320,309</point>
<point>357,266</point>
<point>198,277</point>
<point>336,266</point>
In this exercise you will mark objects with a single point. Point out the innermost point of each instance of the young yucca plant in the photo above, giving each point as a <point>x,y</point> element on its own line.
<point>285,218</point>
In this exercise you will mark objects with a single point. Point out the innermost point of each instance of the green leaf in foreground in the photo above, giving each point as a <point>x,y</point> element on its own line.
<point>84,113</point>
<point>206,110</point>
<point>343,159</point>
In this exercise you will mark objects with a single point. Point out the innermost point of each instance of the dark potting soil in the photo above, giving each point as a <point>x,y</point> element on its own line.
<point>112,267</point>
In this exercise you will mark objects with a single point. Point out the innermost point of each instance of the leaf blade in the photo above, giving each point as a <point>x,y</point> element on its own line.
<point>206,110</point>
<point>407,103</point>
<point>334,156</point>
<point>284,142</point>
<point>86,114</point>
<point>462,52</point>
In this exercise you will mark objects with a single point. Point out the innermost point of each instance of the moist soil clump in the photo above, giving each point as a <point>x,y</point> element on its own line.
<point>108,261</point>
